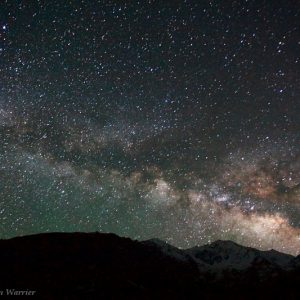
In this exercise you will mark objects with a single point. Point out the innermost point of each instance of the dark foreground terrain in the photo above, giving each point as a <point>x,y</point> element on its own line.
<point>105,266</point>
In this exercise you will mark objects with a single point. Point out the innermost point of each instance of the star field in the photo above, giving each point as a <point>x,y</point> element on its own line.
<point>174,120</point>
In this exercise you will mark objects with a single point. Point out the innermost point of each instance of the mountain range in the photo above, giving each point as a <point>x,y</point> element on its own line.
<point>106,266</point>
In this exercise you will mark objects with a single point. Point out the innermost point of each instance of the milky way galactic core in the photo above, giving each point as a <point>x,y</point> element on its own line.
<point>170,119</point>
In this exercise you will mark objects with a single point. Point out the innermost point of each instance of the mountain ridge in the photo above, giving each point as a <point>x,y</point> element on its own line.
<point>79,265</point>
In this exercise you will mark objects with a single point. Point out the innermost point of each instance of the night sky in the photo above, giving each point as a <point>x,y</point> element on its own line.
<point>170,119</point>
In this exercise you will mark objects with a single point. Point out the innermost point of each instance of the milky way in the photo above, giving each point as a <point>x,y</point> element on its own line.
<point>178,121</point>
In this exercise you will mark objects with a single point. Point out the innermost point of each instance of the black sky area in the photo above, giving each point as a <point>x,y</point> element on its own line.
<point>170,119</point>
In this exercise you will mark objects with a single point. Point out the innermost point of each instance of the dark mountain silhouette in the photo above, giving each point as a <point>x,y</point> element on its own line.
<point>105,266</point>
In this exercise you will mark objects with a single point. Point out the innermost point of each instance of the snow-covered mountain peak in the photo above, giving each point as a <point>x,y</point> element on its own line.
<point>225,255</point>
<point>230,255</point>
